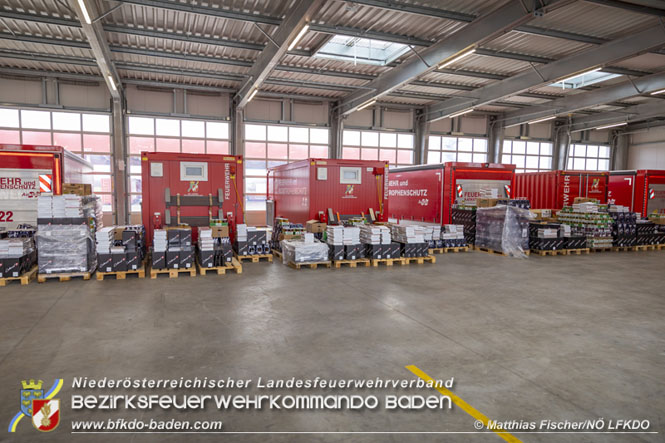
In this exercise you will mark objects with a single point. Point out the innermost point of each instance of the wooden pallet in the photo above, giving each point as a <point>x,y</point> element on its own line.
<point>578,251</point>
<point>312,265</point>
<point>492,251</point>
<point>387,261</point>
<point>660,247</point>
<point>544,252</point>
<point>418,260</point>
<point>23,278</point>
<point>446,250</point>
<point>352,263</point>
<point>624,248</point>
<point>122,275</point>
<point>221,270</point>
<point>63,276</point>
<point>277,253</point>
<point>646,247</point>
<point>173,273</point>
<point>254,258</point>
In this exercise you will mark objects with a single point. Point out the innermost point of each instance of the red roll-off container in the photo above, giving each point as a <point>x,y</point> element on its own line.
<point>642,190</point>
<point>426,193</point>
<point>556,189</point>
<point>301,190</point>
<point>28,170</point>
<point>191,188</point>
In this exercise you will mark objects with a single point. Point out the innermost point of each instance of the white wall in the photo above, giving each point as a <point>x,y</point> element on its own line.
<point>646,150</point>
<point>90,95</point>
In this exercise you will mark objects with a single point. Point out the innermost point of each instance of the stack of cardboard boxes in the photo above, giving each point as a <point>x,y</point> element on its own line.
<point>411,239</point>
<point>17,255</point>
<point>503,228</point>
<point>172,248</point>
<point>214,246</point>
<point>466,216</point>
<point>120,248</point>
<point>285,230</point>
<point>252,240</point>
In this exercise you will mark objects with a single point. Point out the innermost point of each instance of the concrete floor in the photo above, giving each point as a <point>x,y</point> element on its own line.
<point>579,337</point>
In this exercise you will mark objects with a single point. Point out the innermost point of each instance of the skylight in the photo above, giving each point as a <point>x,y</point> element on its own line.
<point>361,50</point>
<point>585,79</point>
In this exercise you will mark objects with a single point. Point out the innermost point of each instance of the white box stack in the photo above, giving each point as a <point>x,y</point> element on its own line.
<point>206,242</point>
<point>335,235</point>
<point>241,233</point>
<point>104,239</point>
<point>351,235</point>
<point>407,234</point>
<point>45,206</point>
<point>374,235</point>
<point>159,242</point>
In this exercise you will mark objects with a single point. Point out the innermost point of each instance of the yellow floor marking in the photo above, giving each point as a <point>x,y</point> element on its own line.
<point>463,405</point>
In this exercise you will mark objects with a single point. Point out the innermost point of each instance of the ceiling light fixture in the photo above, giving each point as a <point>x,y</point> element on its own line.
<point>111,82</point>
<point>366,105</point>
<point>542,120</point>
<point>658,92</point>
<point>457,114</point>
<point>252,94</point>
<point>456,58</point>
<point>86,16</point>
<point>612,125</point>
<point>298,37</point>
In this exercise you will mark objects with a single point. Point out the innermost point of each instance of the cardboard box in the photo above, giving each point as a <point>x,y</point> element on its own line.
<point>374,251</point>
<point>351,252</point>
<point>186,259</point>
<point>129,240</point>
<point>77,188</point>
<point>486,202</point>
<point>172,259</point>
<point>542,214</point>
<point>336,252</point>
<point>219,231</point>
<point>585,200</point>
<point>173,238</point>
<point>158,260</point>
<point>119,262</point>
<point>315,226</point>
<point>105,262</point>
<point>241,248</point>
<point>11,267</point>
<point>207,259</point>
<point>133,260</point>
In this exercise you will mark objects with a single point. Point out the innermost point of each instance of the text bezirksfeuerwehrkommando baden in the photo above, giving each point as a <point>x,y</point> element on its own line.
<point>259,383</point>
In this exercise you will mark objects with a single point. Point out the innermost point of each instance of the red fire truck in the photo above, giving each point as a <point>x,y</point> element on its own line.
<point>28,170</point>
<point>426,193</point>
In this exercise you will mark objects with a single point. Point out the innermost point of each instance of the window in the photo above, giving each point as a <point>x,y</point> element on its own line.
<point>589,157</point>
<point>527,156</point>
<point>361,50</point>
<point>584,79</point>
<point>267,146</point>
<point>148,134</point>
<point>87,135</point>
<point>393,147</point>
<point>442,149</point>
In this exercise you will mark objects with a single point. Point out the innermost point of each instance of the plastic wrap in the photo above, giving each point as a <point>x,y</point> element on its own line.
<point>503,228</point>
<point>298,251</point>
<point>65,248</point>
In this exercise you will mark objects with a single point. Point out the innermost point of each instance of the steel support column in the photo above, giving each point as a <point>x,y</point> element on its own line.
<point>119,153</point>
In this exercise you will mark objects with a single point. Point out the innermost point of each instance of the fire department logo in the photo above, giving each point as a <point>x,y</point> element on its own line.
<point>46,416</point>
<point>42,407</point>
<point>652,193</point>
<point>349,190</point>
<point>595,185</point>
<point>193,186</point>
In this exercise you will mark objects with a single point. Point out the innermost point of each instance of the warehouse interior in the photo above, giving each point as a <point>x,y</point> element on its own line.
<point>544,85</point>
